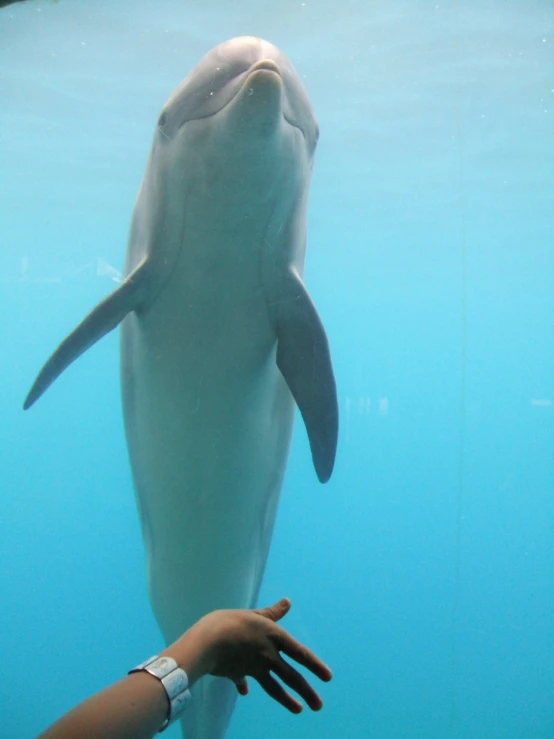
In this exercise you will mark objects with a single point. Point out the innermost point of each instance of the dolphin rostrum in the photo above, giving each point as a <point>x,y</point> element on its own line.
<point>219,339</point>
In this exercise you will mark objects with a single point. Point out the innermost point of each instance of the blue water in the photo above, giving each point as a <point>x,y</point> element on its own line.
<point>423,573</point>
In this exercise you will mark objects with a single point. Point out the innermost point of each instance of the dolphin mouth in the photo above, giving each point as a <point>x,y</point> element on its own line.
<point>227,94</point>
<point>264,65</point>
<point>245,80</point>
<point>267,65</point>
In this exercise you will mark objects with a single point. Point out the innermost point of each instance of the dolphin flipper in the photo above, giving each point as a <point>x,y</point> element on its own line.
<point>305,362</point>
<point>100,321</point>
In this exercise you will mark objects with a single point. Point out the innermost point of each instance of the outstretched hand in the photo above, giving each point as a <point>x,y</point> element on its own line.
<point>250,642</point>
<point>231,644</point>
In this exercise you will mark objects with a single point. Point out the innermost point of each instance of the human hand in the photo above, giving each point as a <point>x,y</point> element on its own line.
<point>238,643</point>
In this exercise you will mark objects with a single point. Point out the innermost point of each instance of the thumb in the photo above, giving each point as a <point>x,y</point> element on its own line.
<point>276,611</point>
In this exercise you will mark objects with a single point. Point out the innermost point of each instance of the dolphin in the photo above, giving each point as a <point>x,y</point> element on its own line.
<point>220,339</point>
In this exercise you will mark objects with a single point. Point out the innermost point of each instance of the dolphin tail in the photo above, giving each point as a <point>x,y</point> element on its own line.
<point>100,321</point>
<point>304,359</point>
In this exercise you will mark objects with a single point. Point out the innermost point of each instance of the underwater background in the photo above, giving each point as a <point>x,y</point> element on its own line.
<point>423,572</point>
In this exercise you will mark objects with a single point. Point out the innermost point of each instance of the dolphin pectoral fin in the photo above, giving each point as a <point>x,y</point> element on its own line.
<point>304,359</point>
<point>100,321</point>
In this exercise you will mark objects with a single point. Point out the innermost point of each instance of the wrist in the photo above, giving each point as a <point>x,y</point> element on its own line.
<point>194,651</point>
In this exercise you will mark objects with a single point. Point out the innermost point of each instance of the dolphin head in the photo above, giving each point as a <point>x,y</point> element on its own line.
<point>234,145</point>
<point>249,81</point>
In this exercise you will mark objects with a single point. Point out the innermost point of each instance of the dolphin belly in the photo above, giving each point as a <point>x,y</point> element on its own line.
<point>208,428</point>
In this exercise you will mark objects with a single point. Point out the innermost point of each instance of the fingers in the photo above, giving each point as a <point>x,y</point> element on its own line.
<point>278,693</point>
<point>292,648</point>
<point>242,686</point>
<point>294,680</point>
<point>297,682</point>
<point>301,654</point>
<point>282,641</point>
<point>276,611</point>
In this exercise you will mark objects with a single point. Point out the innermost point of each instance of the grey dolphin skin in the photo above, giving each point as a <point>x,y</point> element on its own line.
<point>219,339</point>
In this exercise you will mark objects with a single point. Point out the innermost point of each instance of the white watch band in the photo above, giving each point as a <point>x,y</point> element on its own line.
<point>175,682</point>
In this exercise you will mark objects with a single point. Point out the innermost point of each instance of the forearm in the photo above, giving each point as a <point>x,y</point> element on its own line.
<point>133,708</point>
